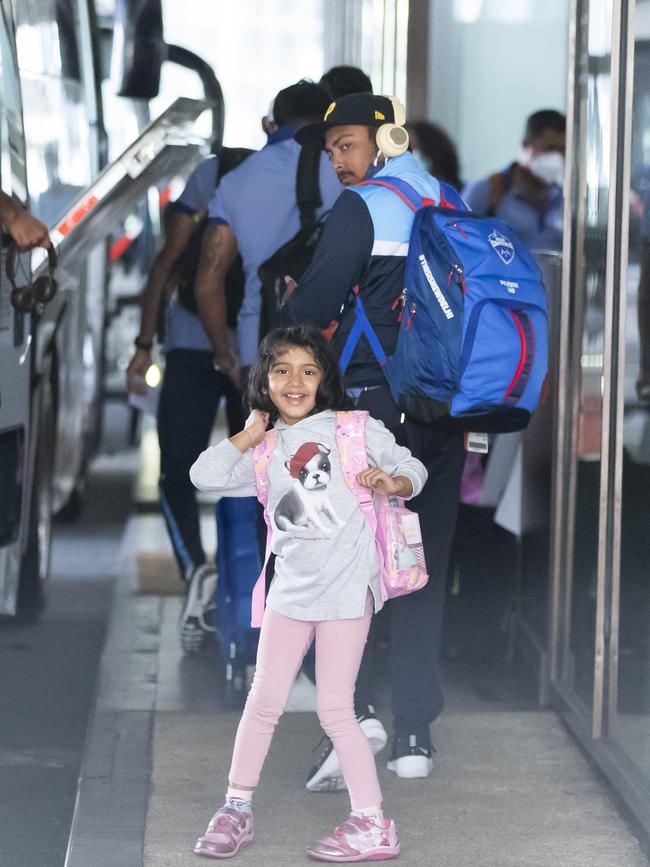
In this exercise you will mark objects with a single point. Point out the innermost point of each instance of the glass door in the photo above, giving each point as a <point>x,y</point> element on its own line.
<point>630,723</point>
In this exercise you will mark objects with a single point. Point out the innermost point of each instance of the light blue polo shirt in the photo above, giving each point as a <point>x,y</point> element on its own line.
<point>183,329</point>
<point>538,231</point>
<point>258,201</point>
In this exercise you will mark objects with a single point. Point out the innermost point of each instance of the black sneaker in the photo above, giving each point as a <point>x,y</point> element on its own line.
<point>411,757</point>
<point>326,774</point>
<point>194,622</point>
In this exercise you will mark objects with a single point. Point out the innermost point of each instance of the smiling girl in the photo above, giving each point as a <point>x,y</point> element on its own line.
<point>325,586</point>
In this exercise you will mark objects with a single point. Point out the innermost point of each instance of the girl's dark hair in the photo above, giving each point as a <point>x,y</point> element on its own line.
<point>331,391</point>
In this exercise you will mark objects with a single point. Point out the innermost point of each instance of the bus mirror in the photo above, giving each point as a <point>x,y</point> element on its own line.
<point>138,48</point>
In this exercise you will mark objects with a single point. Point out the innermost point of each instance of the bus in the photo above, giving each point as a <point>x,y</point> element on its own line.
<point>53,158</point>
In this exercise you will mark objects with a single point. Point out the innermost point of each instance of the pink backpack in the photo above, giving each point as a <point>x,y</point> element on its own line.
<point>395,528</point>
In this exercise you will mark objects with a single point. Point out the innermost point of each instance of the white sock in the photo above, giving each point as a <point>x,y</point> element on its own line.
<point>239,798</point>
<point>375,814</point>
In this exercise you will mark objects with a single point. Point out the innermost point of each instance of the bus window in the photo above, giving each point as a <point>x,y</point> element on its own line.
<point>46,37</point>
<point>54,110</point>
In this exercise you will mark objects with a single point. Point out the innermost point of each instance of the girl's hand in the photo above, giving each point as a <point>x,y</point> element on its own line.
<point>253,432</point>
<point>383,483</point>
<point>256,425</point>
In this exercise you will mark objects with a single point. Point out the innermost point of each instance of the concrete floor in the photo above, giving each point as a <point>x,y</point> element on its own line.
<point>510,787</point>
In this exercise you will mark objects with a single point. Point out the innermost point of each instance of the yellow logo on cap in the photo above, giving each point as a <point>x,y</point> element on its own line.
<point>331,108</point>
<point>379,116</point>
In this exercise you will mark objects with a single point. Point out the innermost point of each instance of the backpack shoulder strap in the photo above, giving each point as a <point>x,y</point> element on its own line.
<point>408,194</point>
<point>361,326</point>
<point>308,197</point>
<point>261,457</point>
<point>351,444</point>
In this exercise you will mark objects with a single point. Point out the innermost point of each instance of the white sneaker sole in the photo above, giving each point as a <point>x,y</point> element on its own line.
<point>199,598</point>
<point>411,767</point>
<point>328,778</point>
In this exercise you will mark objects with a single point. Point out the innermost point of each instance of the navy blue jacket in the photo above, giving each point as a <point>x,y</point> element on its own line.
<point>364,243</point>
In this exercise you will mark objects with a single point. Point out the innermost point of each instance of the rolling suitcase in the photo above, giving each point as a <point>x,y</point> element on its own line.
<point>238,567</point>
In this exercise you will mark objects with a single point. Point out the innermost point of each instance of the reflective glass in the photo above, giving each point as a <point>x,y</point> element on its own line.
<point>632,726</point>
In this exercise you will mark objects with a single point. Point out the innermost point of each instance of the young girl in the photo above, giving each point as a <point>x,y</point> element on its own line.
<point>325,586</point>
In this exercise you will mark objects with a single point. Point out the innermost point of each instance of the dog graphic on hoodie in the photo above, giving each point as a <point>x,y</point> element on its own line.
<point>307,501</point>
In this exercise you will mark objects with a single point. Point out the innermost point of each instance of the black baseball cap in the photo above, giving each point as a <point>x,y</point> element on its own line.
<point>360,109</point>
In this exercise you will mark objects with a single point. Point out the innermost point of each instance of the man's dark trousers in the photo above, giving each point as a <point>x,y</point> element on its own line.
<point>189,398</point>
<point>416,619</point>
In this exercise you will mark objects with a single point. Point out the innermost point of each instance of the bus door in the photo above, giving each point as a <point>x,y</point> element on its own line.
<point>170,147</point>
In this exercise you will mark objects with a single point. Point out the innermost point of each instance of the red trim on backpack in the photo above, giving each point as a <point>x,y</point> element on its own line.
<point>522,357</point>
<point>389,187</point>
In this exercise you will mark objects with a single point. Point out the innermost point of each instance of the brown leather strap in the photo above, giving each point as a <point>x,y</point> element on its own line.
<point>497,191</point>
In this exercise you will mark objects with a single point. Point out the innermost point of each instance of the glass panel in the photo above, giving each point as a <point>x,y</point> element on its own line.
<point>477,49</point>
<point>632,727</point>
<point>588,335</point>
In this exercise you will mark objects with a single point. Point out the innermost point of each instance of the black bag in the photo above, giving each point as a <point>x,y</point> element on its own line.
<point>293,257</point>
<point>188,264</point>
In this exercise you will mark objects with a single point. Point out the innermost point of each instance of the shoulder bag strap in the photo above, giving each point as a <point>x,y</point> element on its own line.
<point>308,197</point>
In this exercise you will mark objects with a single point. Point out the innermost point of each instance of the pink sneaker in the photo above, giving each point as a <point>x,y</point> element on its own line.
<point>357,839</point>
<point>228,832</point>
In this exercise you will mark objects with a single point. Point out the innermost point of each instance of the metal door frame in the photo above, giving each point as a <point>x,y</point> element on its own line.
<point>594,726</point>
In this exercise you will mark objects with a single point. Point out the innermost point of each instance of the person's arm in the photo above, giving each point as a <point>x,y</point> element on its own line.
<point>338,264</point>
<point>181,228</point>
<point>478,197</point>
<point>218,251</point>
<point>408,474</point>
<point>228,466</point>
<point>25,229</point>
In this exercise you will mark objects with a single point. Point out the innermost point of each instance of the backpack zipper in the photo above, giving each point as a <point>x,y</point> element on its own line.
<point>454,225</point>
<point>456,269</point>
<point>411,315</point>
<point>401,299</point>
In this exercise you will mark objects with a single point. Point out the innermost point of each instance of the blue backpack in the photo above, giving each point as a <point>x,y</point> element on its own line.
<point>471,353</point>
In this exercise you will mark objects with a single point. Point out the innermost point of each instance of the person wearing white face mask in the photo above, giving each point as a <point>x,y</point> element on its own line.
<point>528,193</point>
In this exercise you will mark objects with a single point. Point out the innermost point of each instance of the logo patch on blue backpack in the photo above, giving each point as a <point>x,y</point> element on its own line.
<point>503,246</point>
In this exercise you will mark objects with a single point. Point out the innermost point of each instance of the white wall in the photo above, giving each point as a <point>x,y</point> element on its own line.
<point>492,63</point>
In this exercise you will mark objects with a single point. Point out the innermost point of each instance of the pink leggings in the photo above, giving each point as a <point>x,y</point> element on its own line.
<point>339,647</point>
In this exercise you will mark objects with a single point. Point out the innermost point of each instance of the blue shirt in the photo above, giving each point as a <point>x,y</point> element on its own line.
<point>183,329</point>
<point>257,200</point>
<point>539,230</point>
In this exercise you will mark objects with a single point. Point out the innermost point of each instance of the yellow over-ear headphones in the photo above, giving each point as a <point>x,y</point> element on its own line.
<point>392,139</point>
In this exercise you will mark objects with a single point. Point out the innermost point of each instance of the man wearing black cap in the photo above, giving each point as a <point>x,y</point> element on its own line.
<point>364,245</point>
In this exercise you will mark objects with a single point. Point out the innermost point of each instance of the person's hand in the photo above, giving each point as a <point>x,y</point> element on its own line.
<point>291,284</point>
<point>27,231</point>
<point>256,425</point>
<point>383,483</point>
<point>229,365</point>
<point>137,370</point>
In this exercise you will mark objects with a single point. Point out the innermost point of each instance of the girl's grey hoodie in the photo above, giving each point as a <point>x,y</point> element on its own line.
<point>326,557</point>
